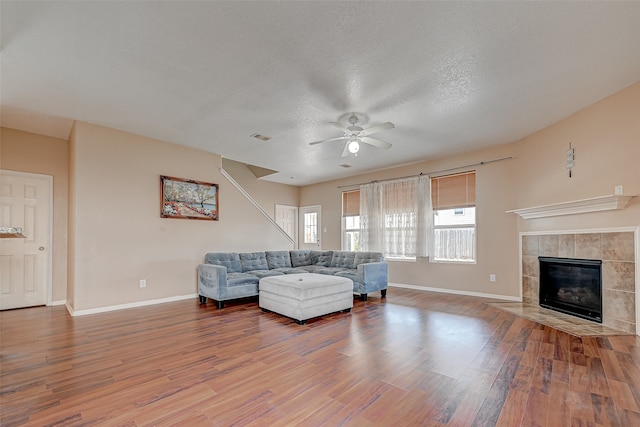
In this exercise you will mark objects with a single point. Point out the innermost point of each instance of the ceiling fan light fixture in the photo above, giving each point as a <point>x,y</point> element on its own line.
<point>355,135</point>
<point>354,146</point>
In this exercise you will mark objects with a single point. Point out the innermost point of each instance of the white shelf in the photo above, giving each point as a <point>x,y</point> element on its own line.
<point>603,203</point>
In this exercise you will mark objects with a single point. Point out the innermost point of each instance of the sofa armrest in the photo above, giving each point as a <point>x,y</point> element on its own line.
<point>212,281</point>
<point>376,275</point>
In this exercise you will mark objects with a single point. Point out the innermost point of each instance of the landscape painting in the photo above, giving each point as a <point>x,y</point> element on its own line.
<point>188,199</point>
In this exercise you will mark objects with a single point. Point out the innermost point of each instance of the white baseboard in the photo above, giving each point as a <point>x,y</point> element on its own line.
<point>128,305</point>
<point>456,292</point>
<point>59,302</point>
<point>183,297</point>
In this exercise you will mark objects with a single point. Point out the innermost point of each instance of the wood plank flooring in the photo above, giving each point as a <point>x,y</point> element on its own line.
<point>412,359</point>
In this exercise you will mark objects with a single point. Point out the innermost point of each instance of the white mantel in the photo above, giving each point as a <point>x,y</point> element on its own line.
<point>595,204</point>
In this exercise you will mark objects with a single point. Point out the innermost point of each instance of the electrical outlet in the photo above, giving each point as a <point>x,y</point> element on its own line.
<point>492,277</point>
<point>618,190</point>
<point>143,283</point>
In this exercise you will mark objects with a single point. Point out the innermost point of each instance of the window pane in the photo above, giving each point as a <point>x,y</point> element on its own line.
<point>455,234</point>
<point>444,217</point>
<point>455,244</point>
<point>351,233</point>
<point>311,227</point>
<point>352,222</point>
<point>351,241</point>
<point>400,235</point>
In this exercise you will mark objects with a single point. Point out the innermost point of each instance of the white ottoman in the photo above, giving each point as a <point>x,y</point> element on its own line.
<point>304,296</point>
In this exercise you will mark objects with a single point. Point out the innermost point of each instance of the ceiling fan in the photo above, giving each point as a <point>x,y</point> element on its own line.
<point>356,135</point>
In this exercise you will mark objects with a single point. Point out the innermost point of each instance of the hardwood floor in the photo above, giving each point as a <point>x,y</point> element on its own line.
<point>412,359</point>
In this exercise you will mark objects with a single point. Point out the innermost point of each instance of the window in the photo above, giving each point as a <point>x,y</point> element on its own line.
<point>351,220</point>
<point>311,227</point>
<point>454,217</point>
<point>398,222</point>
<point>394,217</point>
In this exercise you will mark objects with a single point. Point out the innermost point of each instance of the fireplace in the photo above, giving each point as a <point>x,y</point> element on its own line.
<point>572,286</point>
<point>616,249</point>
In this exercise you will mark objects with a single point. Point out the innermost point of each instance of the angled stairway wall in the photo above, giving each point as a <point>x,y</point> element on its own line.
<point>243,178</point>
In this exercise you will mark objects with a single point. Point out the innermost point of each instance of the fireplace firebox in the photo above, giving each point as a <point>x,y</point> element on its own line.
<point>572,286</point>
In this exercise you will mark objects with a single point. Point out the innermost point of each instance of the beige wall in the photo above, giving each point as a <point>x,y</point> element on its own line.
<point>606,138</point>
<point>119,237</point>
<point>496,231</point>
<point>267,194</point>
<point>29,152</point>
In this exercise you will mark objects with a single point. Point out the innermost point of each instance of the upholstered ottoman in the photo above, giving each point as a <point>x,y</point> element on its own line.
<point>304,296</point>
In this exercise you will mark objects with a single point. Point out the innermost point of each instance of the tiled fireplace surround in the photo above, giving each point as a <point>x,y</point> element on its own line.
<point>617,252</point>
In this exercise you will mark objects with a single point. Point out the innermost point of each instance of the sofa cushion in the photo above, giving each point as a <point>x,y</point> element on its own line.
<point>264,273</point>
<point>330,270</point>
<point>321,258</point>
<point>310,268</point>
<point>295,270</point>
<point>278,259</point>
<point>300,257</point>
<point>239,285</point>
<point>366,257</point>
<point>358,280</point>
<point>235,279</point>
<point>253,261</point>
<point>343,259</point>
<point>231,260</point>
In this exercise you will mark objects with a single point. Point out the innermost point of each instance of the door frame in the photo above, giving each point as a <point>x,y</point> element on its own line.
<point>49,234</point>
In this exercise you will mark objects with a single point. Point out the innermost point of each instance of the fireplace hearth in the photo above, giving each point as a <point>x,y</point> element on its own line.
<point>572,286</point>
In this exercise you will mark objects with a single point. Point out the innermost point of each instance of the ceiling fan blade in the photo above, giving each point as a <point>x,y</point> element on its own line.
<point>339,126</point>
<point>378,128</point>
<point>375,142</point>
<point>345,152</point>
<point>328,140</point>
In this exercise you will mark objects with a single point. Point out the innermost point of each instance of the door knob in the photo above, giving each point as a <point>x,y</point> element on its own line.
<point>41,248</point>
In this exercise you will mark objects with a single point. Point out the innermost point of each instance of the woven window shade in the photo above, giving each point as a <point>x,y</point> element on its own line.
<point>454,191</point>
<point>351,203</point>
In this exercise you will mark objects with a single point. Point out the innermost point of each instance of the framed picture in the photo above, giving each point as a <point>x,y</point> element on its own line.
<point>188,199</point>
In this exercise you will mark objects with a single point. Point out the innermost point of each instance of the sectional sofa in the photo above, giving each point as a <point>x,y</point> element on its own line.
<point>230,275</point>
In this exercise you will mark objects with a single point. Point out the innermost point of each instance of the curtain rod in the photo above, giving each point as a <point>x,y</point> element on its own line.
<point>430,173</point>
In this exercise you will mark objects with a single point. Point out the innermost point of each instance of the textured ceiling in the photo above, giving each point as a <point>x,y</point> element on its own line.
<point>452,76</point>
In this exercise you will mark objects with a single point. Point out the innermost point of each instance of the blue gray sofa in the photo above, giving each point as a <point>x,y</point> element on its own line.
<point>230,275</point>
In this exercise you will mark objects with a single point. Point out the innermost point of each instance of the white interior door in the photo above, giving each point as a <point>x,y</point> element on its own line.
<point>25,202</point>
<point>310,227</point>
<point>286,218</point>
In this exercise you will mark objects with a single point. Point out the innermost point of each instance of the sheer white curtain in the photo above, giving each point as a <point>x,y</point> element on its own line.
<point>424,244</point>
<point>396,217</point>
<point>371,218</point>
